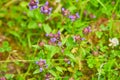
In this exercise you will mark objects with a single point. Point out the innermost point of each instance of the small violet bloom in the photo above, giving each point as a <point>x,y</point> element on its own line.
<point>113,42</point>
<point>59,44</point>
<point>65,12</point>
<point>53,40</point>
<point>33,4</point>
<point>46,9</point>
<point>87,30</point>
<point>41,63</point>
<point>68,62</point>
<point>74,17</point>
<point>41,69</point>
<point>3,78</point>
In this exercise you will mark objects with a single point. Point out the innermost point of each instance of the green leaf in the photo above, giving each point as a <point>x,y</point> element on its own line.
<point>32,25</point>
<point>59,68</point>
<point>51,50</point>
<point>5,44</point>
<point>2,50</point>
<point>72,8</point>
<point>47,28</point>
<point>9,76</point>
<point>99,34</point>
<point>36,71</point>
<point>53,73</point>
<point>71,56</point>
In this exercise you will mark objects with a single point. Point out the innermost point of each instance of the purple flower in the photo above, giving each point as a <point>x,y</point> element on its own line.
<point>68,62</point>
<point>46,35</point>
<point>33,4</point>
<point>87,30</point>
<point>41,62</point>
<point>53,40</point>
<point>59,33</point>
<point>65,12</point>
<point>46,9</point>
<point>74,17</point>
<point>41,69</point>
<point>59,44</point>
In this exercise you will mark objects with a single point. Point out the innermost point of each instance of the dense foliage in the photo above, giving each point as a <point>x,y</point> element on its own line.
<point>59,40</point>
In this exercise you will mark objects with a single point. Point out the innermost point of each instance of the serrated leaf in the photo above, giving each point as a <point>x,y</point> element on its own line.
<point>47,28</point>
<point>36,71</point>
<point>52,50</point>
<point>2,50</point>
<point>53,73</point>
<point>99,34</point>
<point>9,76</point>
<point>71,56</point>
<point>32,25</point>
<point>59,68</point>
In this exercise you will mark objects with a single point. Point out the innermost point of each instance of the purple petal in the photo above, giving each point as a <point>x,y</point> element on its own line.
<point>42,9</point>
<point>41,69</point>
<point>47,3</point>
<point>50,9</point>
<point>59,44</point>
<point>45,11</point>
<point>77,15</point>
<point>63,9</point>
<point>53,39</point>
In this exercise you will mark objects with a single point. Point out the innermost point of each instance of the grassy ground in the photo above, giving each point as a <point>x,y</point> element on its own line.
<point>78,40</point>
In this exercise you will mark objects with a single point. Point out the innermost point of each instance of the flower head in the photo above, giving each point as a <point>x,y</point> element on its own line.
<point>41,62</point>
<point>65,12</point>
<point>87,30</point>
<point>46,9</point>
<point>53,40</point>
<point>113,42</point>
<point>74,17</point>
<point>2,78</point>
<point>33,4</point>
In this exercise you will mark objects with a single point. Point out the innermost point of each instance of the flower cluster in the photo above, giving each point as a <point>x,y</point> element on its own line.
<point>33,4</point>
<point>2,78</point>
<point>54,39</point>
<point>77,38</point>
<point>46,9</point>
<point>87,30</point>
<point>67,60</point>
<point>66,12</point>
<point>74,17</point>
<point>42,64</point>
<point>48,76</point>
<point>113,42</point>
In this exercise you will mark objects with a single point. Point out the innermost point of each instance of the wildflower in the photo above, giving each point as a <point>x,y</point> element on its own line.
<point>41,69</point>
<point>41,44</point>
<point>113,42</point>
<point>46,9</point>
<point>41,63</point>
<point>33,4</point>
<point>87,30</point>
<point>65,12</point>
<point>51,35</point>
<point>76,38</point>
<point>59,43</point>
<point>59,33</point>
<point>92,16</point>
<point>53,40</point>
<point>74,17</point>
<point>2,78</point>
<point>68,62</point>
<point>46,35</point>
<point>48,76</point>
